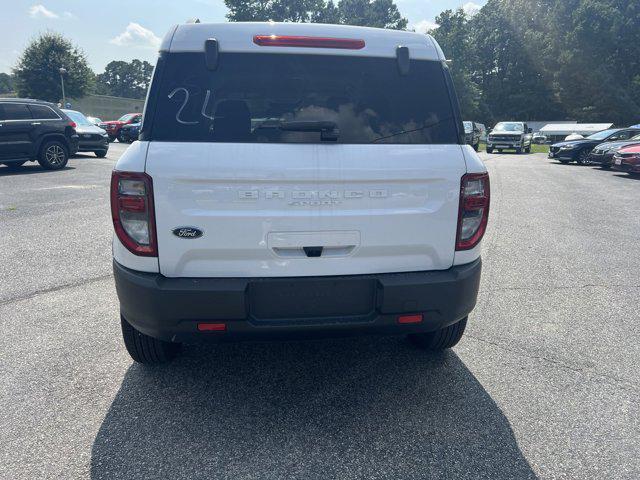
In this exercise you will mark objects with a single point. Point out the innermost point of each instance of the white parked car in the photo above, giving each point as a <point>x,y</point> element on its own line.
<point>573,136</point>
<point>297,180</point>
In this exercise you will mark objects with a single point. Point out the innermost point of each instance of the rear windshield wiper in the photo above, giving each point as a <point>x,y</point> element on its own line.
<point>328,130</point>
<point>404,132</point>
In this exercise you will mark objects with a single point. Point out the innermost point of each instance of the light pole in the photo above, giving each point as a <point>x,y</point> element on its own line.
<point>63,72</point>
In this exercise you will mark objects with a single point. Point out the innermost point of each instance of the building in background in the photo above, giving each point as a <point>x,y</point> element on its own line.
<point>106,107</point>
<point>557,132</point>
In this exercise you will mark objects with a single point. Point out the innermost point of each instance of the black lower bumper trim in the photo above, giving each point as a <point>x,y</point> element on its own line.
<point>171,308</point>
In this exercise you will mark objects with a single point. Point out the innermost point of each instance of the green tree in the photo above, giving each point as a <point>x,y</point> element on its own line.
<point>122,79</point>
<point>6,83</point>
<point>506,65</point>
<point>453,37</point>
<point>371,13</point>
<point>37,73</point>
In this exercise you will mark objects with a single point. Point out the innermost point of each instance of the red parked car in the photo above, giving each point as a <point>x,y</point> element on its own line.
<point>628,160</point>
<point>113,127</point>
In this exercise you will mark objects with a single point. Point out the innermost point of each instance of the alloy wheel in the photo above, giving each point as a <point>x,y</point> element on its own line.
<point>55,155</point>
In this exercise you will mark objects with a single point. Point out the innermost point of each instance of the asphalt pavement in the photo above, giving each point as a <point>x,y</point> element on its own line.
<point>544,384</point>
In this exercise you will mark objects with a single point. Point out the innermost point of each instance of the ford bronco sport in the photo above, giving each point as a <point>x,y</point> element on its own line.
<point>297,180</point>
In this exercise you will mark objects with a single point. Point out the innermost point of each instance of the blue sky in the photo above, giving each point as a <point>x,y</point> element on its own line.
<point>126,29</point>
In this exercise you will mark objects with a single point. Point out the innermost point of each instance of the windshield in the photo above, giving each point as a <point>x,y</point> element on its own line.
<point>127,117</point>
<point>77,117</point>
<point>255,98</point>
<point>468,127</point>
<point>509,127</point>
<point>601,135</point>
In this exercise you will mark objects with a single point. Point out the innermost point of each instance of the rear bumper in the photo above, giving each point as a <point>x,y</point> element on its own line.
<point>253,308</point>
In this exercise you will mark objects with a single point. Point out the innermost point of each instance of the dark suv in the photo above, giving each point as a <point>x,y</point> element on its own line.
<point>35,130</point>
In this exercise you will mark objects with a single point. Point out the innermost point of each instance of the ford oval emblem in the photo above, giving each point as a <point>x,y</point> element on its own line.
<point>187,232</point>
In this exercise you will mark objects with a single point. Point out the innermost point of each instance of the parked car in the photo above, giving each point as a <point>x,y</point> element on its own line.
<point>472,134</point>
<point>628,160</point>
<point>573,136</point>
<point>510,136</point>
<point>34,130</point>
<point>539,138</point>
<point>129,133</point>
<point>603,154</point>
<point>113,127</point>
<point>579,150</point>
<point>95,120</point>
<point>90,138</point>
<point>317,220</point>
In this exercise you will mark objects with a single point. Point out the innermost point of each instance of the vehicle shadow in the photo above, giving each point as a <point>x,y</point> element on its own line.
<point>627,176</point>
<point>29,169</point>
<point>345,408</point>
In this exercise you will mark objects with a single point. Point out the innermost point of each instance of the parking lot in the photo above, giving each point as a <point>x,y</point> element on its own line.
<point>543,385</point>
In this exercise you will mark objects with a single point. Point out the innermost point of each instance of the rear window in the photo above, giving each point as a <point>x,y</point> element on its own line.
<point>42,112</point>
<point>255,98</point>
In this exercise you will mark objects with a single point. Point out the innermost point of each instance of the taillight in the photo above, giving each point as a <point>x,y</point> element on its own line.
<point>474,210</point>
<point>132,212</point>
<point>309,42</point>
<point>72,124</point>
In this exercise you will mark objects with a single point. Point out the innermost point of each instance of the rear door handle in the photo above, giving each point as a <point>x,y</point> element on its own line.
<point>35,123</point>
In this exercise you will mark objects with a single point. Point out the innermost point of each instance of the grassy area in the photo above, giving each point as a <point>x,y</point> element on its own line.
<point>534,148</point>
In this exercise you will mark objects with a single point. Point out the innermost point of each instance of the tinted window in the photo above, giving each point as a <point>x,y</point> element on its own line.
<point>16,111</point>
<point>256,97</point>
<point>42,112</point>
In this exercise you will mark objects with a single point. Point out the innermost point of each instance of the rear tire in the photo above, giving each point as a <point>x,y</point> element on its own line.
<point>15,165</point>
<point>145,349</point>
<point>528,149</point>
<point>447,337</point>
<point>101,153</point>
<point>489,150</point>
<point>476,147</point>
<point>53,155</point>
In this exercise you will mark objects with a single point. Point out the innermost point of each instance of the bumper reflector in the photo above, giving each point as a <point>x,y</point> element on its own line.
<point>212,327</point>
<point>408,319</point>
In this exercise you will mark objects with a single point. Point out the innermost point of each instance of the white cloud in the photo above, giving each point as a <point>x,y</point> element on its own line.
<point>471,8</point>
<point>423,26</point>
<point>69,15</point>
<point>135,35</point>
<point>40,11</point>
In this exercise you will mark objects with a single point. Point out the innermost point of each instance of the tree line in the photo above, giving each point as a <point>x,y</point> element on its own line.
<point>546,60</point>
<point>37,74</point>
<point>514,59</point>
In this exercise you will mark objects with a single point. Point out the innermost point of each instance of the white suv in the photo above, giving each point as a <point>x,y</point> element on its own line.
<point>297,180</point>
